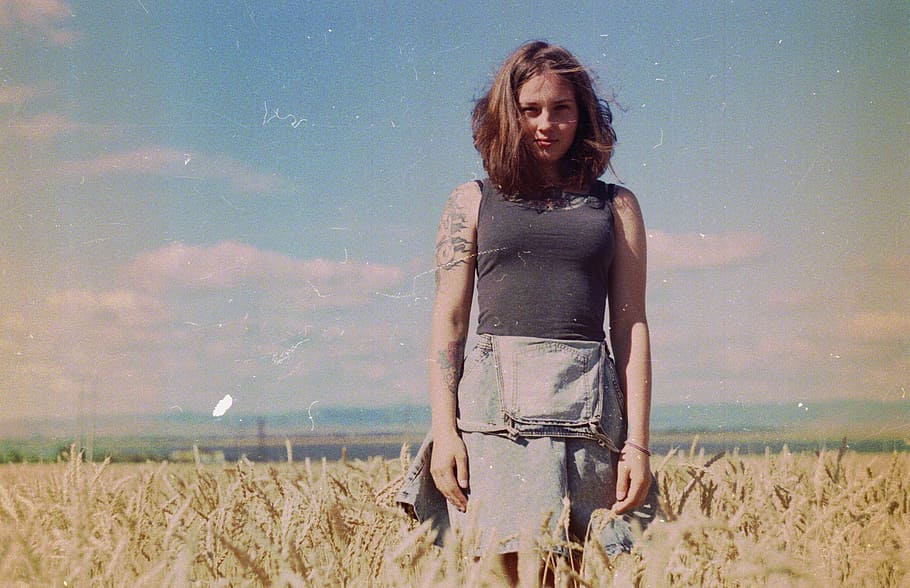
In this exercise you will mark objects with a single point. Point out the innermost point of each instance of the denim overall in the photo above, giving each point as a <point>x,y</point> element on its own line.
<point>529,387</point>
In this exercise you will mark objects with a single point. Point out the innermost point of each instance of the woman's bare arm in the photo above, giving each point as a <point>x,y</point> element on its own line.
<point>456,257</point>
<point>630,340</point>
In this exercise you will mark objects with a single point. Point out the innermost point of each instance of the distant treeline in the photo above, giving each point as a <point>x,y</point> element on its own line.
<point>335,447</point>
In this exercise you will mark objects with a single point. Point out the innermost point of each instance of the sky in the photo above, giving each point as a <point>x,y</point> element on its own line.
<point>207,198</point>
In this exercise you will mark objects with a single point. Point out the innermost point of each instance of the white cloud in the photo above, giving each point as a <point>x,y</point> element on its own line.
<point>165,161</point>
<point>17,95</point>
<point>681,251</point>
<point>43,19</point>
<point>230,264</point>
<point>186,324</point>
<point>41,128</point>
<point>882,326</point>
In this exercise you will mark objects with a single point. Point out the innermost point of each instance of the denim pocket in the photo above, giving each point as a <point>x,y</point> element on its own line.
<point>549,381</point>
<point>478,400</point>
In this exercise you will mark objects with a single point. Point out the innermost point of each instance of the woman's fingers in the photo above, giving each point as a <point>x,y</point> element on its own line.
<point>449,467</point>
<point>622,482</point>
<point>446,483</point>
<point>461,470</point>
<point>632,484</point>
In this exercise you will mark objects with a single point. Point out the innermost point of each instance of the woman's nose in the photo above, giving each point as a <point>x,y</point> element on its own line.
<point>543,121</point>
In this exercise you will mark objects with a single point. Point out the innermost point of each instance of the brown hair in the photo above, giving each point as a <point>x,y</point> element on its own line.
<point>495,122</point>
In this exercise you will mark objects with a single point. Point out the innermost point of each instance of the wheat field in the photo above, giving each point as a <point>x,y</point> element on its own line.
<point>830,519</point>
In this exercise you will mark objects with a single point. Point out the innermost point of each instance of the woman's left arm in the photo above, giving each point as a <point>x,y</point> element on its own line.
<point>631,345</point>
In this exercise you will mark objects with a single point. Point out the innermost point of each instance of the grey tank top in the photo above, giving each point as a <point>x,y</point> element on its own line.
<point>542,271</point>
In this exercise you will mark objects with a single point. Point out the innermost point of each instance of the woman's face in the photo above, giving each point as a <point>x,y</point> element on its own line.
<point>549,117</point>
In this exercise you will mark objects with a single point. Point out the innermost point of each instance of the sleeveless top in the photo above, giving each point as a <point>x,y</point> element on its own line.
<point>542,270</point>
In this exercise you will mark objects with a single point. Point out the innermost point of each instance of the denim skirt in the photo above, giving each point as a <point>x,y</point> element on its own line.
<point>541,421</point>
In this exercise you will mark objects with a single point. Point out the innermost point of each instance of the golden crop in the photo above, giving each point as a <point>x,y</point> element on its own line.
<point>834,519</point>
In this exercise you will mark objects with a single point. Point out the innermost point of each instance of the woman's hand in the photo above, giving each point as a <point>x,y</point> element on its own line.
<point>631,344</point>
<point>633,481</point>
<point>456,255</point>
<point>449,467</point>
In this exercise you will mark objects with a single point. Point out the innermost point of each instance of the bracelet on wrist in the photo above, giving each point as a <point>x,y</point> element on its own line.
<point>639,447</point>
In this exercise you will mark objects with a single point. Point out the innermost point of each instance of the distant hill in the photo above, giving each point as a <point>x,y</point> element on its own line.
<point>831,419</point>
<point>360,432</point>
<point>841,417</point>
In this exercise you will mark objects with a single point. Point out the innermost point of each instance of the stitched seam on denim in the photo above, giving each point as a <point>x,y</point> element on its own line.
<point>521,431</point>
<point>471,361</point>
<point>614,381</point>
<point>476,427</point>
<point>524,355</point>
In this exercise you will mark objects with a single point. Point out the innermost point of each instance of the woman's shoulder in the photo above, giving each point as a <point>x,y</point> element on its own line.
<point>625,204</point>
<point>627,215</point>
<point>467,196</point>
<point>469,190</point>
<point>462,208</point>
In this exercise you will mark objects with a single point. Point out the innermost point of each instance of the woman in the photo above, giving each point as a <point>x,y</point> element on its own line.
<point>538,411</point>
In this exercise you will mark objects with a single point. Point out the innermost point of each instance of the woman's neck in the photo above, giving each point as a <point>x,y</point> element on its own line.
<point>557,176</point>
<point>558,182</point>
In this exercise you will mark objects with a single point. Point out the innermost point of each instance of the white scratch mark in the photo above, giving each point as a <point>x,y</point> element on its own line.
<point>282,357</point>
<point>412,294</point>
<point>661,142</point>
<point>316,290</point>
<point>143,6</point>
<point>523,260</point>
<point>229,203</point>
<point>294,120</point>
<point>309,412</point>
<point>223,405</point>
<point>807,172</point>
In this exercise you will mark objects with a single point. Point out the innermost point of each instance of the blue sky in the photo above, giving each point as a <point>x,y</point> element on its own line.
<point>209,198</point>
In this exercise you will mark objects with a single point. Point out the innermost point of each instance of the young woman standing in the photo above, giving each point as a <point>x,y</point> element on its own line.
<point>539,411</point>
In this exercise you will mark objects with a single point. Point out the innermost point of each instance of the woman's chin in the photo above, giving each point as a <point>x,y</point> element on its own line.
<point>546,159</point>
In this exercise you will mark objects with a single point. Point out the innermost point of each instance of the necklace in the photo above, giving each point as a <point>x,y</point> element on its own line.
<point>554,199</point>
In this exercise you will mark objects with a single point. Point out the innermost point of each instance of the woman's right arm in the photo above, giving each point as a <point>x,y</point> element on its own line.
<point>456,256</point>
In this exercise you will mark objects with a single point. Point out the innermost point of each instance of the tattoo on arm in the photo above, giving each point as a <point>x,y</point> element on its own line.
<point>451,362</point>
<point>452,248</point>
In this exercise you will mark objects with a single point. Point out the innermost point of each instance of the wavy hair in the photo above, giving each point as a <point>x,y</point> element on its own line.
<point>507,154</point>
